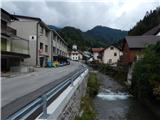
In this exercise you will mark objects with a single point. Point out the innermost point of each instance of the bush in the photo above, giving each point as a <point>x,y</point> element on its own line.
<point>146,74</point>
<point>93,85</point>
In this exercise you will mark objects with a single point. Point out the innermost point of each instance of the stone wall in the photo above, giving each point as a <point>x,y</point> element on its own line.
<point>73,107</point>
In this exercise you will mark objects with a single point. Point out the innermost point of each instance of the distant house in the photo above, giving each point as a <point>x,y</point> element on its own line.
<point>111,55</point>
<point>75,54</point>
<point>97,53</point>
<point>134,45</point>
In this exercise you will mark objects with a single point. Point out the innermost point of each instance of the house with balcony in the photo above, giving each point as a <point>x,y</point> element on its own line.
<point>14,49</point>
<point>39,36</point>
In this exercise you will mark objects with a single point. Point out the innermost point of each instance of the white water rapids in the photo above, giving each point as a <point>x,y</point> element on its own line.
<point>112,96</point>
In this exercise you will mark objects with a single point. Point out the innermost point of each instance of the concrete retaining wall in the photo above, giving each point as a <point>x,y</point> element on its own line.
<point>67,105</point>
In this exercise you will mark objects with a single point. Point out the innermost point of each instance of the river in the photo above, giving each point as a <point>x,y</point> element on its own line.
<point>114,103</point>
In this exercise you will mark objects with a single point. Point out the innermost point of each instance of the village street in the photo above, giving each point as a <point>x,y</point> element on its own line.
<point>14,88</point>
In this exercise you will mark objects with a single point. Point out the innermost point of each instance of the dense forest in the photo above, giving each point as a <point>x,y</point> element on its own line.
<point>75,36</point>
<point>150,20</point>
<point>107,34</point>
<point>87,40</point>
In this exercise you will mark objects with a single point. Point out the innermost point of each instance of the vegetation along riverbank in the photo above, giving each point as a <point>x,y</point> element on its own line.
<point>87,112</point>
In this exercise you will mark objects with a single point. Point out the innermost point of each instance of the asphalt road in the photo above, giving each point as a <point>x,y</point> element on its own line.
<point>17,87</point>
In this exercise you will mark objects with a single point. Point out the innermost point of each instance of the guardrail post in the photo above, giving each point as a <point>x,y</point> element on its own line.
<point>72,81</point>
<point>44,103</point>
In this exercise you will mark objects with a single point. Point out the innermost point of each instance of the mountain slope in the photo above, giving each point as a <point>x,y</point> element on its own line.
<point>54,27</point>
<point>150,20</point>
<point>106,34</point>
<point>75,36</point>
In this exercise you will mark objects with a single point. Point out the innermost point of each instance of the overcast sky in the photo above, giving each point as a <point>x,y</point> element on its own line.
<point>120,14</point>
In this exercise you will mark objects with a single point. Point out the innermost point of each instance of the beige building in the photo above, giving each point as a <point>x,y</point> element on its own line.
<point>44,43</point>
<point>14,49</point>
<point>111,55</point>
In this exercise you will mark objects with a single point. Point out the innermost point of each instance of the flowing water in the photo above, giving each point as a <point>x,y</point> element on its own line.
<point>114,103</point>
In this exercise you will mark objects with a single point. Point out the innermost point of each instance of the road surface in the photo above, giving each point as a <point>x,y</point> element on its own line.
<point>13,89</point>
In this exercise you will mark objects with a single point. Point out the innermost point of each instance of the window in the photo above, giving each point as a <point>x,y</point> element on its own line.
<point>47,33</point>
<point>46,48</point>
<point>111,48</point>
<point>41,46</point>
<point>3,44</point>
<point>110,61</point>
<point>54,49</point>
<point>41,30</point>
<point>115,54</point>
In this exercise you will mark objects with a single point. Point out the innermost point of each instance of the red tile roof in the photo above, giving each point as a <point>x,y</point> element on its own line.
<point>97,49</point>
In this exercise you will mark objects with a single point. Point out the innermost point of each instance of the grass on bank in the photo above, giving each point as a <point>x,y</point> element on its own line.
<point>87,110</point>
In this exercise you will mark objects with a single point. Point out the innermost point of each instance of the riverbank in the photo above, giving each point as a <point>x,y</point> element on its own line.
<point>86,109</point>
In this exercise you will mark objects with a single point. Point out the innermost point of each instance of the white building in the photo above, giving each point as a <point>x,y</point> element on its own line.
<point>75,54</point>
<point>111,55</point>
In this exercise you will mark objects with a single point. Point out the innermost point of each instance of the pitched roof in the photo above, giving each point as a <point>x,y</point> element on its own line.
<point>141,41</point>
<point>10,15</point>
<point>27,17</point>
<point>153,31</point>
<point>97,49</point>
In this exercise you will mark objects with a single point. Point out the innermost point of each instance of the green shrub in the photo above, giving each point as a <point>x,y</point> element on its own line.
<point>146,74</point>
<point>93,85</point>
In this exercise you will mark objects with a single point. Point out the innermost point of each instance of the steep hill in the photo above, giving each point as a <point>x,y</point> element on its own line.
<point>150,20</point>
<point>75,36</point>
<point>97,37</point>
<point>106,34</point>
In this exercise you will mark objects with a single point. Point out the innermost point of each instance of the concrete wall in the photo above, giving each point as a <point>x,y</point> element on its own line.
<point>72,109</point>
<point>26,29</point>
<point>95,55</point>
<point>67,105</point>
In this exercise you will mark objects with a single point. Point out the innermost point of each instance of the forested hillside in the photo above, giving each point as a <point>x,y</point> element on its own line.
<point>150,20</point>
<point>75,36</point>
<point>107,34</point>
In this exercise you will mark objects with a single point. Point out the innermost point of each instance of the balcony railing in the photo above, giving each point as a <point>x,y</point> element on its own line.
<point>20,45</point>
<point>8,30</point>
<point>15,44</point>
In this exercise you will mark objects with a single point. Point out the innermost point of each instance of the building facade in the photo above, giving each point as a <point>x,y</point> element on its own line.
<point>75,54</point>
<point>46,45</point>
<point>14,49</point>
<point>97,53</point>
<point>133,47</point>
<point>111,55</point>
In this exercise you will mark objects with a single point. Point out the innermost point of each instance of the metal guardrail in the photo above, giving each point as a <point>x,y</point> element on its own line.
<point>41,101</point>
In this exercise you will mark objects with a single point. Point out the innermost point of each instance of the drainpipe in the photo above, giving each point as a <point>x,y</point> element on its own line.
<point>37,45</point>
<point>51,32</point>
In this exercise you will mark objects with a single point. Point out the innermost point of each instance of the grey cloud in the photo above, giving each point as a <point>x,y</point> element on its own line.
<point>83,15</point>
